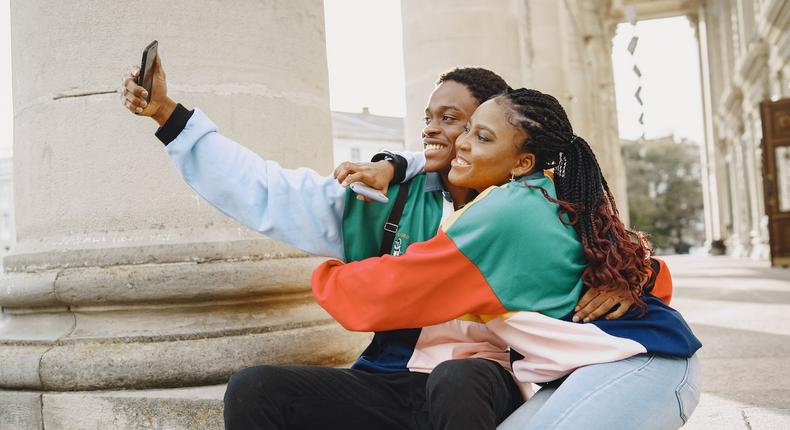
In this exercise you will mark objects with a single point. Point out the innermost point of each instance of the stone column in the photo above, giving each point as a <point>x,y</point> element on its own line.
<point>738,242</point>
<point>123,278</point>
<point>443,34</point>
<point>538,44</point>
<point>744,226</point>
<point>753,77</point>
<point>714,234</point>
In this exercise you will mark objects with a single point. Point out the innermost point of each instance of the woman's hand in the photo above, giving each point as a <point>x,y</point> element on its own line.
<point>376,175</point>
<point>594,304</point>
<point>133,96</point>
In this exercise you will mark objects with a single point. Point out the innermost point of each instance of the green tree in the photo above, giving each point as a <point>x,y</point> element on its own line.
<point>665,192</point>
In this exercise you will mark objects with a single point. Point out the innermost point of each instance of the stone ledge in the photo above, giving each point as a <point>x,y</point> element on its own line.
<point>20,410</point>
<point>102,366</point>
<point>153,283</point>
<point>198,408</point>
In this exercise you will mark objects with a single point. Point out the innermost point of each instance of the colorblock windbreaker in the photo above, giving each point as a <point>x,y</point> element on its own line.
<point>499,281</point>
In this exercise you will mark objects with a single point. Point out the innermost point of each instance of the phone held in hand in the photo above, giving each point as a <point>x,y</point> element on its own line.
<point>371,193</point>
<point>146,78</point>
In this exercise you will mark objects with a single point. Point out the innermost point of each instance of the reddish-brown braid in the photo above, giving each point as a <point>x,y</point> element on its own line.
<point>618,257</point>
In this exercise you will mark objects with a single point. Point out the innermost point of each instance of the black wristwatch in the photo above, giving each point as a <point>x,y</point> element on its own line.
<point>398,162</point>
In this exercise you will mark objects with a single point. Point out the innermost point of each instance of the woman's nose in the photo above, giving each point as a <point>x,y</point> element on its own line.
<point>461,143</point>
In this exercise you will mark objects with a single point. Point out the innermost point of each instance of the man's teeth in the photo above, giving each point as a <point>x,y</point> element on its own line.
<point>461,162</point>
<point>433,147</point>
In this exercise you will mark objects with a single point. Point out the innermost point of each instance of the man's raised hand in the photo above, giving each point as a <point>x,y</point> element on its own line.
<point>133,96</point>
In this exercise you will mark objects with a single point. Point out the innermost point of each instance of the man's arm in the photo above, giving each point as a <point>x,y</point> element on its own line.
<point>384,168</point>
<point>595,304</point>
<point>298,207</point>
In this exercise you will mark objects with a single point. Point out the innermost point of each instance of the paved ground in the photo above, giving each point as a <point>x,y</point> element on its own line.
<point>740,309</point>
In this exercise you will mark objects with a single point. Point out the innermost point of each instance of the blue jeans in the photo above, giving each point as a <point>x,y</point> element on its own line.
<point>647,391</point>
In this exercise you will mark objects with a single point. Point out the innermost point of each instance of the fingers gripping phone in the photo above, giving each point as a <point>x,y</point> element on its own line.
<point>372,193</point>
<point>146,78</point>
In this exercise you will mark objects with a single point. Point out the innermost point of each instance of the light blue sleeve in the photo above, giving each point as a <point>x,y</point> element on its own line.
<point>298,207</point>
<point>415,163</point>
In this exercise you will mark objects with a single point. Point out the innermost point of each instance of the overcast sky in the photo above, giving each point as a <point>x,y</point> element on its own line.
<point>364,51</point>
<point>667,55</point>
<point>365,57</point>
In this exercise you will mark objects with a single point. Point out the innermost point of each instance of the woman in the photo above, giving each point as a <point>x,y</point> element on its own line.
<point>511,265</point>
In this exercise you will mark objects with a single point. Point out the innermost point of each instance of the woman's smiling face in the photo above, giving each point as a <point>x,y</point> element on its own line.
<point>488,152</point>
<point>448,111</point>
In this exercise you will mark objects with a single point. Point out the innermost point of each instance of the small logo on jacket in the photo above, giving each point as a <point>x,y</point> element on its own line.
<point>396,247</point>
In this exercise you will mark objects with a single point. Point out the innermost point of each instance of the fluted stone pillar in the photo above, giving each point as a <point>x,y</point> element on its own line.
<point>122,277</point>
<point>443,34</point>
<point>537,43</point>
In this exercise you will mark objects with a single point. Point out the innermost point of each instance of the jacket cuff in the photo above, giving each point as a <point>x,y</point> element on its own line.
<point>174,125</point>
<point>397,161</point>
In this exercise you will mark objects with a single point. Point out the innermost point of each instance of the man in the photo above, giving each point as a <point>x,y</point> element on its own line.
<point>379,391</point>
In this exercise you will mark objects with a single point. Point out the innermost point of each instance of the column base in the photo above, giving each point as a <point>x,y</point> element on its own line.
<point>163,325</point>
<point>737,248</point>
<point>195,408</point>
<point>760,251</point>
<point>118,349</point>
<point>716,247</point>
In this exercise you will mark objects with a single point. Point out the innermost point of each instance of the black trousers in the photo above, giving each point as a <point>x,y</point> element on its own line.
<point>459,394</point>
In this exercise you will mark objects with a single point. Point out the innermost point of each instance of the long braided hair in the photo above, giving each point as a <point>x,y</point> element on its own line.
<point>618,257</point>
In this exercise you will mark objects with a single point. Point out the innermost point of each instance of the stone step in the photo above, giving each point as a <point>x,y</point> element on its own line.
<point>195,408</point>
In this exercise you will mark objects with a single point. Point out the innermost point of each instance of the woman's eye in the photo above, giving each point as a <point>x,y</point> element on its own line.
<point>482,138</point>
<point>466,128</point>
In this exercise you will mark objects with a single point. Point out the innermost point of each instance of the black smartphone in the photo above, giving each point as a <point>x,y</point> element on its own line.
<point>146,78</point>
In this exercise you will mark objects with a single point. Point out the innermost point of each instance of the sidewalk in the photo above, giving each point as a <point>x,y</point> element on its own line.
<point>740,310</point>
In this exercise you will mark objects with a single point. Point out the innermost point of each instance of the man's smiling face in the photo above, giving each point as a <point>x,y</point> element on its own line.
<point>449,108</point>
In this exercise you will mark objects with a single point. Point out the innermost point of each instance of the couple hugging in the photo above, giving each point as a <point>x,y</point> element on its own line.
<point>508,249</point>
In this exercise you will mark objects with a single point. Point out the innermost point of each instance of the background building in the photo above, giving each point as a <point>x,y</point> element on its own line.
<point>745,57</point>
<point>745,60</point>
<point>358,136</point>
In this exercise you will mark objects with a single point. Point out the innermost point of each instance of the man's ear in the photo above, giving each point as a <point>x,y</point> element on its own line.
<point>525,164</point>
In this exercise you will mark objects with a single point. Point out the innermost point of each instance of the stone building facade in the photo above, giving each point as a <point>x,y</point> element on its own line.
<point>745,58</point>
<point>564,48</point>
<point>744,48</point>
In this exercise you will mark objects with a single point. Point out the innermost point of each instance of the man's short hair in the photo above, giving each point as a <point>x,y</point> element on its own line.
<point>483,83</point>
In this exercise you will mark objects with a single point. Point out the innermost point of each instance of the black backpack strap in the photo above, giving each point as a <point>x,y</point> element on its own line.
<point>391,227</point>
